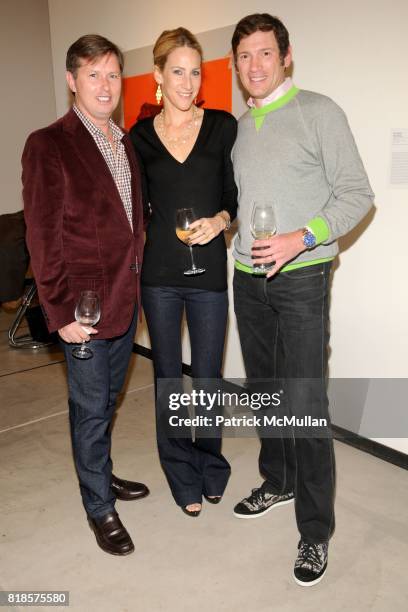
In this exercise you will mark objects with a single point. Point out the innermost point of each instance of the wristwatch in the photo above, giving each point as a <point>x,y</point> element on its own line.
<point>309,239</point>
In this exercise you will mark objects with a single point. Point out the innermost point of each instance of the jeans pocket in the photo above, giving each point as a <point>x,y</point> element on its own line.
<point>307,272</point>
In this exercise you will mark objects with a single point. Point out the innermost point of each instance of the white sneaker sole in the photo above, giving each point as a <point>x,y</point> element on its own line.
<point>312,583</point>
<point>255,516</point>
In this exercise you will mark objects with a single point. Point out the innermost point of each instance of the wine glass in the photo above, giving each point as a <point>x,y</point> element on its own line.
<point>263,225</point>
<point>184,218</point>
<point>87,312</point>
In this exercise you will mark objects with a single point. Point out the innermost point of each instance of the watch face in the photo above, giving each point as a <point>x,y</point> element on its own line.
<point>309,240</point>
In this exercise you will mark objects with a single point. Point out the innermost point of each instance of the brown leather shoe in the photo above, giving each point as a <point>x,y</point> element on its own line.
<point>111,535</point>
<point>128,490</point>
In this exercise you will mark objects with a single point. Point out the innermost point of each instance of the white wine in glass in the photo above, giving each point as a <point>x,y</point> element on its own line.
<point>184,218</point>
<point>87,312</point>
<point>184,234</point>
<point>263,226</point>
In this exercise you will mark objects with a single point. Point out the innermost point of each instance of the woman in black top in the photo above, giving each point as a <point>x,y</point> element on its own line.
<point>185,159</point>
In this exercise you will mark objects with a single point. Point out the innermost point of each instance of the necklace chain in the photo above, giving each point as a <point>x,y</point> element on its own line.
<point>185,136</point>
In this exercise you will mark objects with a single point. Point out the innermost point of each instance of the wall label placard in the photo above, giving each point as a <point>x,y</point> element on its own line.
<point>399,158</point>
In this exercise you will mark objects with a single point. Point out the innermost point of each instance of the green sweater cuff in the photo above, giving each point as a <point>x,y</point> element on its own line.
<point>319,228</point>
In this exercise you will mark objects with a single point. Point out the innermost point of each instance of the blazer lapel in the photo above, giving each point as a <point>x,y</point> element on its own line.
<point>93,161</point>
<point>137,207</point>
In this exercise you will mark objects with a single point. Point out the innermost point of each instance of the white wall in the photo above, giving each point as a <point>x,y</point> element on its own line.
<point>27,98</point>
<point>354,52</point>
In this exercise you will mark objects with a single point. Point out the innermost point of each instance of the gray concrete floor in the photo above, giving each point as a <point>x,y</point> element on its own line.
<point>214,562</point>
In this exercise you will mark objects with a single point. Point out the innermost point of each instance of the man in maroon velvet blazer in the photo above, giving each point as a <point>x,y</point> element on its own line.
<point>83,210</point>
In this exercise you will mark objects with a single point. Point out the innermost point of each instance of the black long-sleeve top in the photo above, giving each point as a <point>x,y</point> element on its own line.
<point>204,182</point>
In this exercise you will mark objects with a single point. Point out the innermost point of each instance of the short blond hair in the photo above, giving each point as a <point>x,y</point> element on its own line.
<point>91,47</point>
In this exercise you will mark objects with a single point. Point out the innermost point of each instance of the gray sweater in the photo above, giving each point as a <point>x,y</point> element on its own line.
<point>304,162</point>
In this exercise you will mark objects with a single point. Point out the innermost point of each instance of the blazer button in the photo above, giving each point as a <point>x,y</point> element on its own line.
<point>133,267</point>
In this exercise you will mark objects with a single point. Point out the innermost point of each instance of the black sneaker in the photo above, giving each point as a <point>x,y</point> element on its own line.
<point>260,502</point>
<point>311,563</point>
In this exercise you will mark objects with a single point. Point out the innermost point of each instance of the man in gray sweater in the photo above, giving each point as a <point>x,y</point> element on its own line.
<point>294,152</point>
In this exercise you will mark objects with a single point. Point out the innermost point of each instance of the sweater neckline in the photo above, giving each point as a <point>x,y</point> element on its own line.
<point>282,101</point>
<point>259,114</point>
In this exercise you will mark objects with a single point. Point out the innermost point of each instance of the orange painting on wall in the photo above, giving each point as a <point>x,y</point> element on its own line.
<point>215,91</point>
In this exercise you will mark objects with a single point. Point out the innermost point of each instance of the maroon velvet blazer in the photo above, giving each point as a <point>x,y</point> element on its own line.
<point>78,233</point>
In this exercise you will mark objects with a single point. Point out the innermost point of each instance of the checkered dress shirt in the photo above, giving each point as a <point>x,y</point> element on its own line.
<point>118,164</point>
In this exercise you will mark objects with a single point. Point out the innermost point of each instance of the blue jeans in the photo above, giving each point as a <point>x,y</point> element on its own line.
<point>283,329</point>
<point>93,386</point>
<point>191,468</point>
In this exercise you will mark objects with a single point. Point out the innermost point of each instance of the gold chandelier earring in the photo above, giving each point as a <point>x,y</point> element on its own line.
<point>159,94</point>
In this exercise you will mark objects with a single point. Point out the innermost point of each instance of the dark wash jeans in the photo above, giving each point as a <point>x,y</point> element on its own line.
<point>191,468</point>
<point>93,386</point>
<point>283,329</point>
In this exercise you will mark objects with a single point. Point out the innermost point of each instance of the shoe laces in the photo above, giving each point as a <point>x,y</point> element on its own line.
<point>311,555</point>
<point>257,496</point>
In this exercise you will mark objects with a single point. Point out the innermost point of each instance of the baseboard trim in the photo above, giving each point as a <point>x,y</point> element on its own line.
<point>371,447</point>
<point>146,352</point>
<point>342,435</point>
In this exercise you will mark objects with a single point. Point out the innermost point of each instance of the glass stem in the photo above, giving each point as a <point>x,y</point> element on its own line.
<point>193,266</point>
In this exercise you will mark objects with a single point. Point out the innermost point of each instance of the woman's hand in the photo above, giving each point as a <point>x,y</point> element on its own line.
<point>206,229</point>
